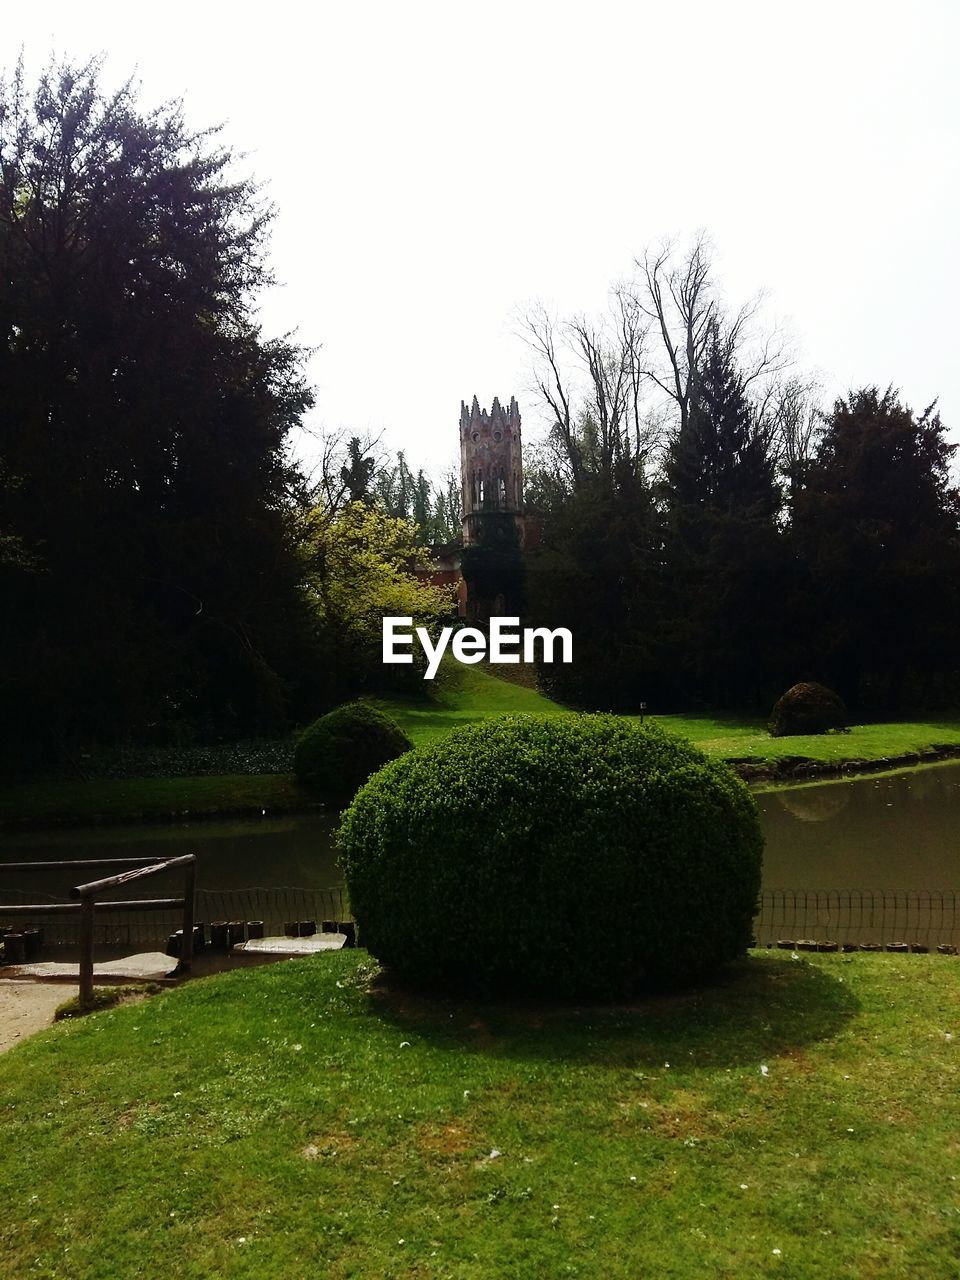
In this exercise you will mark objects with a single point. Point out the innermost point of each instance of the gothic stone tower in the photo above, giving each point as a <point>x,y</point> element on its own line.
<point>491,466</point>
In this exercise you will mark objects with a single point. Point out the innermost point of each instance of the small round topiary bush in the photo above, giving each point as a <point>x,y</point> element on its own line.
<point>574,855</point>
<point>807,708</point>
<point>340,751</point>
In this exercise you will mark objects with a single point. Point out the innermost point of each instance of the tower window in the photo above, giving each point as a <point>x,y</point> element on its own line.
<point>476,436</point>
<point>498,435</point>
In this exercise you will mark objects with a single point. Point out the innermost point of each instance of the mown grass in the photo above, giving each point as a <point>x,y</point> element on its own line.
<point>464,695</point>
<point>736,738</point>
<point>105,998</point>
<point>287,1121</point>
<point>55,801</point>
<point>472,694</point>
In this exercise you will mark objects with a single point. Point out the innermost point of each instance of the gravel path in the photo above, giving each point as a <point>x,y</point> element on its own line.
<point>26,1007</point>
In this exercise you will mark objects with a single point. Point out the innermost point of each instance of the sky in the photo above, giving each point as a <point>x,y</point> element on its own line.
<point>438,168</point>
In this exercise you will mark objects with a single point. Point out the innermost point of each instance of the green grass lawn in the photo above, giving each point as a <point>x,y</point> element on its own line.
<point>473,694</point>
<point>129,800</point>
<point>287,1122</point>
<point>741,739</point>
<point>465,695</point>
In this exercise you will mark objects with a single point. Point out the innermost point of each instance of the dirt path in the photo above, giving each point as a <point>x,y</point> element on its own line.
<point>26,1007</point>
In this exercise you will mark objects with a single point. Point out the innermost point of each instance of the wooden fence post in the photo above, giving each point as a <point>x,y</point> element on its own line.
<point>86,950</point>
<point>186,946</point>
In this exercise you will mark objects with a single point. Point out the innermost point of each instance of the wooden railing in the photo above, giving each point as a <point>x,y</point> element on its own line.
<point>138,869</point>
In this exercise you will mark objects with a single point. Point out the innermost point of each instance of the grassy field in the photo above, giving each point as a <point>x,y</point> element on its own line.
<point>738,739</point>
<point>467,695</point>
<point>798,1120</point>
<point>477,694</point>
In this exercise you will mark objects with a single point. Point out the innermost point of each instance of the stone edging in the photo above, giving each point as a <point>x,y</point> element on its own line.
<point>796,768</point>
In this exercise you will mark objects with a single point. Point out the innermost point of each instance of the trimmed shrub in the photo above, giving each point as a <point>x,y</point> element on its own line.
<point>807,708</point>
<point>571,855</point>
<point>340,751</point>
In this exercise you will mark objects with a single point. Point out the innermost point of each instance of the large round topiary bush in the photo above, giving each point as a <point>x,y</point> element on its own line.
<point>575,855</point>
<point>807,708</point>
<point>340,751</point>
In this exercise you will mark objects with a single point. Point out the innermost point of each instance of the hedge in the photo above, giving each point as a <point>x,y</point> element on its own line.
<point>566,855</point>
<point>340,751</point>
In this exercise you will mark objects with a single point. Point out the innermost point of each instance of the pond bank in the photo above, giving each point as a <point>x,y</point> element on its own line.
<point>51,802</point>
<point>758,759</point>
<point>790,769</point>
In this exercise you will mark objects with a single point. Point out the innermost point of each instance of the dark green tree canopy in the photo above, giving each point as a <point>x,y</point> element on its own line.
<point>877,527</point>
<point>721,457</point>
<point>144,417</point>
<point>357,472</point>
<point>882,466</point>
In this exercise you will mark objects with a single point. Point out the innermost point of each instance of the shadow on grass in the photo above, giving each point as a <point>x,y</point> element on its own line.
<point>436,718</point>
<point>761,1008</point>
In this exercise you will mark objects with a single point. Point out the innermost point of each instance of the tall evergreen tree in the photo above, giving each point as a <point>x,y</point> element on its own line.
<point>448,509</point>
<point>357,472</point>
<point>144,419</point>
<point>723,546</point>
<point>599,571</point>
<point>721,459</point>
<point>876,530</point>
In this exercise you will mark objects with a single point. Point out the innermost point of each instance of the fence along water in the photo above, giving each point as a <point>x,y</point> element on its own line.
<point>889,917</point>
<point>886,917</point>
<point>142,929</point>
<point>84,909</point>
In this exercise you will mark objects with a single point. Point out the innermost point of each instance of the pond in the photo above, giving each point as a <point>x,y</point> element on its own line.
<point>882,837</point>
<point>895,831</point>
<point>268,852</point>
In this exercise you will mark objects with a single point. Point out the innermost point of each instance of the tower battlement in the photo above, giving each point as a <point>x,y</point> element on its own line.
<point>491,464</point>
<point>477,419</point>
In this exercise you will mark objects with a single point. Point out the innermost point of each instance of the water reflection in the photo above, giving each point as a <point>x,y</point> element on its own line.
<point>900,831</point>
<point>268,852</point>
<point>814,804</point>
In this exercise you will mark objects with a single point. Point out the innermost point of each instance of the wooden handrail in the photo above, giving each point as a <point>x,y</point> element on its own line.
<point>70,864</point>
<point>66,908</point>
<point>87,893</point>
<point>114,882</point>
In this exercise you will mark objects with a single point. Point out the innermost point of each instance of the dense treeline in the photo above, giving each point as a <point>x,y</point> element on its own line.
<point>168,573</point>
<point>165,569</point>
<point>355,469</point>
<point>722,539</point>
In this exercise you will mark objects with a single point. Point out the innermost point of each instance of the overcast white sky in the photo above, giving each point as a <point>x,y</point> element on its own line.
<point>437,166</point>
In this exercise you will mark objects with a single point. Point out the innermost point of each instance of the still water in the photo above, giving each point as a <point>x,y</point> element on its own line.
<point>901,831</point>
<point>263,853</point>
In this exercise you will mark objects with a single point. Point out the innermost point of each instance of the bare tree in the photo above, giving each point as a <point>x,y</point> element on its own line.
<point>590,376</point>
<point>796,421</point>
<point>680,300</point>
<point>539,331</point>
<point>619,388</point>
<point>330,480</point>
